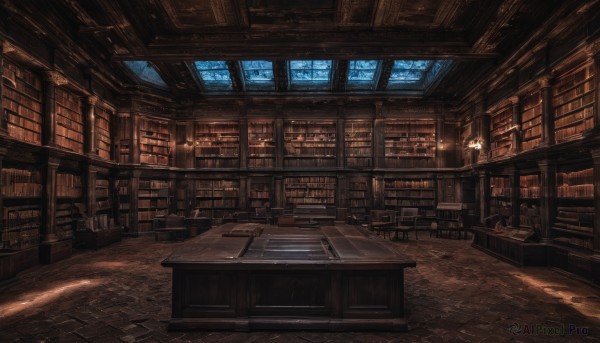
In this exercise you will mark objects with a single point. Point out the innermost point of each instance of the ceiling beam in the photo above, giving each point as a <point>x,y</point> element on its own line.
<point>277,45</point>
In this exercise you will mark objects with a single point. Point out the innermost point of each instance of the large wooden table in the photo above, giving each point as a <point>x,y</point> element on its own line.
<point>329,278</point>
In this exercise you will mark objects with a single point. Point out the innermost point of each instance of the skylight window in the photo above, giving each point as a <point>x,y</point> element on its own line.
<point>362,74</point>
<point>310,74</point>
<point>214,74</point>
<point>258,75</point>
<point>146,72</point>
<point>416,74</point>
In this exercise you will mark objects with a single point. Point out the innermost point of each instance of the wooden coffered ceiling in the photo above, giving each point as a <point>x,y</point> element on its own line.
<point>476,34</point>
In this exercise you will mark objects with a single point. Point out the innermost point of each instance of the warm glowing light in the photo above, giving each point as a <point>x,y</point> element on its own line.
<point>37,299</point>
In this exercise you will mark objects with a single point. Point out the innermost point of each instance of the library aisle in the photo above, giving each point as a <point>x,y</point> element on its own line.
<point>122,294</point>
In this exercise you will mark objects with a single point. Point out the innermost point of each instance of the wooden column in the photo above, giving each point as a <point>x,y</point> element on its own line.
<point>547,117</point>
<point>134,186</point>
<point>52,80</point>
<point>484,195</point>
<point>279,196</point>
<point>378,138</point>
<point>243,194</point>
<point>172,199</point>
<point>190,194</point>
<point>243,140</point>
<point>89,139</point>
<point>134,138</point>
<point>184,150</point>
<point>279,144</point>
<point>596,157</point>
<point>515,196</point>
<point>3,116</point>
<point>516,119</point>
<point>547,198</point>
<point>47,229</point>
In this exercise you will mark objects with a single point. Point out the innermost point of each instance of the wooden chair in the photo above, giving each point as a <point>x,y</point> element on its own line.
<point>407,222</point>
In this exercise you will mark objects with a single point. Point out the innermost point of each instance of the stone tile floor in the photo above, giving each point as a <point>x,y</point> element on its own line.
<point>456,294</point>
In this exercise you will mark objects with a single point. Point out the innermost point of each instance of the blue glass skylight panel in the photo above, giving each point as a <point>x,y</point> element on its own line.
<point>258,74</point>
<point>310,73</point>
<point>214,74</point>
<point>145,71</point>
<point>417,74</point>
<point>362,73</point>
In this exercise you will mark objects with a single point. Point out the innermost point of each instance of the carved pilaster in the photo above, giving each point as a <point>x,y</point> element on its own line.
<point>596,234</point>
<point>484,195</point>
<point>243,139</point>
<point>48,227</point>
<point>379,137</point>
<point>3,115</point>
<point>53,79</point>
<point>90,125</point>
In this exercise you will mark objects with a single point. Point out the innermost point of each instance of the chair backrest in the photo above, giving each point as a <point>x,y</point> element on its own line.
<point>409,212</point>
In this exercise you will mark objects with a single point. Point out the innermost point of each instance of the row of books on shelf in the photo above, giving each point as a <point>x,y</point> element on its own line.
<point>23,238</point>
<point>154,141</point>
<point>217,128</point>
<point>575,218</point>
<point>260,163</point>
<point>358,162</point>
<point>310,201</point>
<point>322,180</point>
<point>578,116</point>
<point>580,177</point>
<point>17,98</point>
<point>228,193</point>
<point>581,89</point>
<point>409,203</point>
<point>217,162</point>
<point>30,121</point>
<point>358,202</point>
<point>259,203</point>
<point>529,192</point>
<point>157,193</point>
<point>353,194</point>
<point>530,144</point>
<point>577,76</point>
<point>69,143</point>
<point>68,100</point>
<point>575,191</point>
<point>317,162</point>
<point>310,193</point>
<point>18,217</point>
<point>317,152</point>
<point>20,183</point>
<point>149,215</point>
<point>217,184</point>
<point>68,185</point>
<point>220,151</point>
<point>154,184</point>
<point>406,183</point>
<point>154,159</point>
<point>154,149</point>
<point>576,104</point>
<point>261,150</point>
<point>217,203</point>
<point>102,193</point>
<point>532,131</point>
<point>586,243</point>
<point>259,194</point>
<point>153,203</point>
<point>569,133</point>
<point>24,135</point>
<point>410,193</point>
<point>155,126</point>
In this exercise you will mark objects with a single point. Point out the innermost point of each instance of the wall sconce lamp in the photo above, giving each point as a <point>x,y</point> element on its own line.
<point>475,144</point>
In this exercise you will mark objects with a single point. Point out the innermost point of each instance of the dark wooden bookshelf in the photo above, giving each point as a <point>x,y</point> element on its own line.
<point>309,143</point>
<point>409,192</point>
<point>531,121</point>
<point>359,143</point>
<point>261,144</point>
<point>153,201</point>
<point>155,140</point>
<point>359,195</point>
<point>22,102</point>
<point>500,139</point>
<point>217,198</point>
<point>69,120</point>
<point>573,102</point>
<point>410,143</point>
<point>21,193</point>
<point>103,134</point>
<point>500,195</point>
<point>260,193</point>
<point>217,145</point>
<point>574,222</point>
<point>69,203</point>
<point>310,190</point>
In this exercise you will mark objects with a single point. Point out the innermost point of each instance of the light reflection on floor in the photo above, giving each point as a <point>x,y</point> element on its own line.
<point>565,294</point>
<point>37,299</point>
